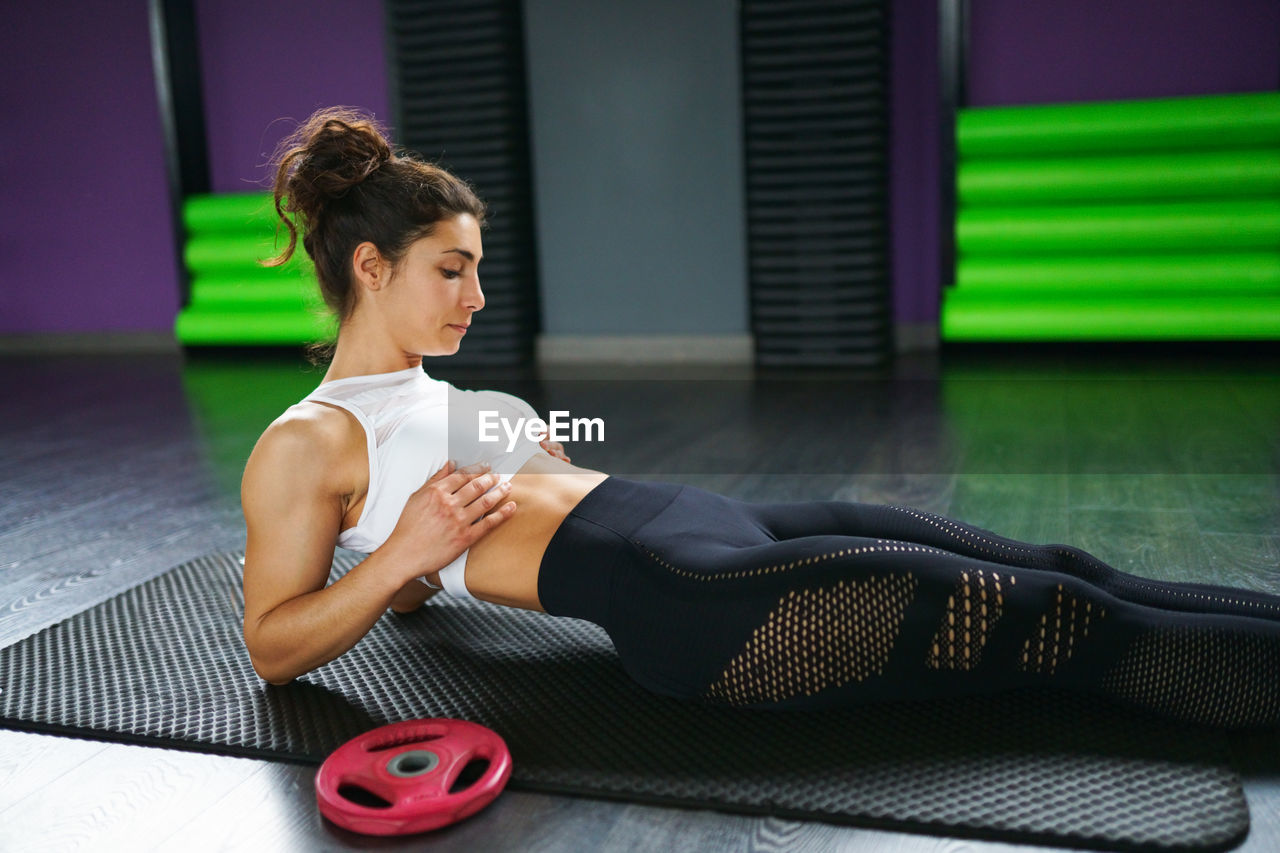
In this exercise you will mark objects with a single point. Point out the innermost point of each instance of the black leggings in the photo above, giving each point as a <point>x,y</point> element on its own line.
<point>827,603</point>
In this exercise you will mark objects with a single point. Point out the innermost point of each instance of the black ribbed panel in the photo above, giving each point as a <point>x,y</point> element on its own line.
<point>816,123</point>
<point>459,80</point>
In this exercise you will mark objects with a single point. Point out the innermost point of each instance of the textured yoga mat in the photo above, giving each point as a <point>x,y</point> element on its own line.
<point>163,663</point>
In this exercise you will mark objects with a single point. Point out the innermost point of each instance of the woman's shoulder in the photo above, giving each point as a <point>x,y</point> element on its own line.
<point>315,425</point>
<point>309,440</point>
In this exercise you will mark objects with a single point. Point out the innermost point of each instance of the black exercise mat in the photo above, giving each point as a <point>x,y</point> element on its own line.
<point>164,664</point>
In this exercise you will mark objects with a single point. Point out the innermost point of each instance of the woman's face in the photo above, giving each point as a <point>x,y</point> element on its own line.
<point>436,288</point>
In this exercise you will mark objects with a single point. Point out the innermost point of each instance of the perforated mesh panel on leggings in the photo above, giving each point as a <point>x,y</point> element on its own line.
<point>971,615</point>
<point>821,638</point>
<point>817,638</point>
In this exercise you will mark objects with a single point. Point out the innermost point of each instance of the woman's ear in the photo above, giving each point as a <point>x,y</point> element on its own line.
<point>369,267</point>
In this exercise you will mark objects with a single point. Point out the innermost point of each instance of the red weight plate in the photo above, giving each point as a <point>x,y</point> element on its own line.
<point>411,765</point>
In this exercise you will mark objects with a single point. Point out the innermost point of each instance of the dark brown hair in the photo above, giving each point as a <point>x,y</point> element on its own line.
<point>344,184</point>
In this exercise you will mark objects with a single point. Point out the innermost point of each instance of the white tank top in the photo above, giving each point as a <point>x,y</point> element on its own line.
<point>413,425</point>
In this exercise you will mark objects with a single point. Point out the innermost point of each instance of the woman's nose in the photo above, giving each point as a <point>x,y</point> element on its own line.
<point>474,296</point>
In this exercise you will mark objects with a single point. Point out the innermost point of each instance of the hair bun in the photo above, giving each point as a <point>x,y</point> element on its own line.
<point>331,152</point>
<point>340,149</point>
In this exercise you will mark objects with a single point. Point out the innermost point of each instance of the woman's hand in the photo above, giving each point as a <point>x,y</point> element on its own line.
<point>446,516</point>
<point>555,448</point>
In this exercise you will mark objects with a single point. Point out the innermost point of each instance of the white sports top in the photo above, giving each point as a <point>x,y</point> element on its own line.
<point>414,424</point>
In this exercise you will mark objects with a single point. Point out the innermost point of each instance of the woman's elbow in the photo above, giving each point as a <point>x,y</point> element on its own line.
<point>268,670</point>
<point>406,607</point>
<point>267,673</point>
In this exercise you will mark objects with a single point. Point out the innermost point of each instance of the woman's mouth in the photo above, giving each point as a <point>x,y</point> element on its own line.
<point>462,329</point>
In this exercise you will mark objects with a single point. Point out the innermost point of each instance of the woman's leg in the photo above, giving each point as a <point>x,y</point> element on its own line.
<point>907,524</point>
<point>748,604</point>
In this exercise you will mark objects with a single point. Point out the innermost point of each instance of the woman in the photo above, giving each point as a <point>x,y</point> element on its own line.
<point>789,605</point>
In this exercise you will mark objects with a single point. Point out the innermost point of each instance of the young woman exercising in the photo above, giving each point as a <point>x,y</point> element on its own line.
<point>783,605</point>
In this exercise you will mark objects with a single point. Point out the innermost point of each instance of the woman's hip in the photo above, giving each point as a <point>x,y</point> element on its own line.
<point>592,544</point>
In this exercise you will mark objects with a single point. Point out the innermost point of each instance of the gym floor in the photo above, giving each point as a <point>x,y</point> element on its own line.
<point>1162,460</point>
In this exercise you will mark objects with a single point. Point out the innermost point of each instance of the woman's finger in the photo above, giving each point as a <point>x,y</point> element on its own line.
<point>493,519</point>
<point>478,487</point>
<point>486,502</point>
<point>463,476</point>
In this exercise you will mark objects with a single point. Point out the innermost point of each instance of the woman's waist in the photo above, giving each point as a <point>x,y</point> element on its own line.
<point>504,563</point>
<point>545,495</point>
<point>547,489</point>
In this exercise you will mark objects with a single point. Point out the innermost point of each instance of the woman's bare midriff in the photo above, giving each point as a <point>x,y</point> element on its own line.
<point>503,566</point>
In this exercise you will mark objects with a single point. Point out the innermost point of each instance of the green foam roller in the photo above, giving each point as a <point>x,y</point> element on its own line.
<point>196,327</point>
<point>1217,317</point>
<point>240,294</point>
<point>228,252</point>
<point>1144,177</point>
<point>1249,120</point>
<point>1242,272</point>
<point>249,268</point>
<point>230,212</point>
<point>1123,228</point>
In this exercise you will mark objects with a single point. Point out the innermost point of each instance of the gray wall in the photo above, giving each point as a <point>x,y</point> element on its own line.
<point>637,164</point>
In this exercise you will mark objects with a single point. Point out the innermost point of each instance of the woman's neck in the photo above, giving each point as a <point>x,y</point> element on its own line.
<point>354,356</point>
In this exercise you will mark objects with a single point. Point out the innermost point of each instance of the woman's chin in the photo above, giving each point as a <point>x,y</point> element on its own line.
<point>442,350</point>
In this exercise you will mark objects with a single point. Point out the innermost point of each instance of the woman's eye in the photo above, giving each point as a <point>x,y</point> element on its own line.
<point>451,273</point>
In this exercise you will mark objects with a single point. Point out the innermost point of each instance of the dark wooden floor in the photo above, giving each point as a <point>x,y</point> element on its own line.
<point>1163,462</point>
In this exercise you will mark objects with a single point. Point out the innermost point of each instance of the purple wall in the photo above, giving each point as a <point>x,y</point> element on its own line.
<point>87,243</point>
<point>262,62</point>
<point>914,162</point>
<point>1101,50</point>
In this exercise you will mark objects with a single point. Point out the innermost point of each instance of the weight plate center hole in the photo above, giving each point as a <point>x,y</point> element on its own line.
<point>413,763</point>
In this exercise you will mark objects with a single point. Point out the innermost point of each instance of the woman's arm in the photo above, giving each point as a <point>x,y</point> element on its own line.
<point>311,629</point>
<point>294,504</point>
<point>411,596</point>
